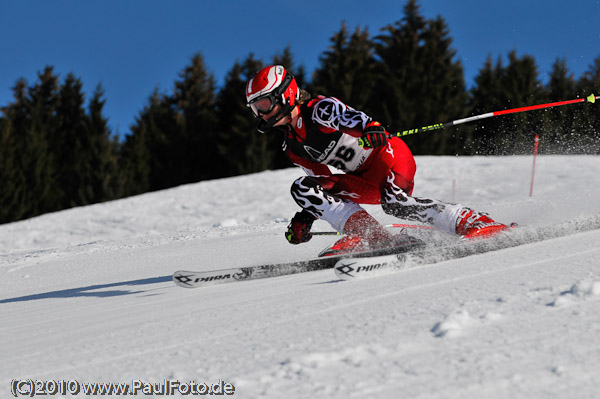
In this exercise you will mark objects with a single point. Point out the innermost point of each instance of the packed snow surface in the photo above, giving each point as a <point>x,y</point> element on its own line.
<point>86,294</point>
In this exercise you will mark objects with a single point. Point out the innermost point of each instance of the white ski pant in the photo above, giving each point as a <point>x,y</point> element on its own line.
<point>311,196</point>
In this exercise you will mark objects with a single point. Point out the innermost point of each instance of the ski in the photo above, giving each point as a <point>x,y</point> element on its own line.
<point>353,268</point>
<point>194,279</point>
<point>371,263</point>
<point>191,279</point>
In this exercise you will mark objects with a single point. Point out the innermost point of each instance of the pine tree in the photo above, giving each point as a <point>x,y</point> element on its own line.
<point>135,152</point>
<point>447,97</point>
<point>286,58</point>
<point>84,152</point>
<point>419,81</point>
<point>588,118</point>
<point>148,151</point>
<point>485,95</point>
<point>32,118</point>
<point>245,150</point>
<point>516,85</point>
<point>346,69</point>
<point>10,176</point>
<point>558,125</point>
<point>50,156</point>
<point>106,181</point>
<point>72,145</point>
<point>398,51</point>
<point>173,138</point>
<point>196,137</point>
<point>521,87</point>
<point>562,84</point>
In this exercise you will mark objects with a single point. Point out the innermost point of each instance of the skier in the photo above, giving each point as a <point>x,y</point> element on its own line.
<point>323,131</point>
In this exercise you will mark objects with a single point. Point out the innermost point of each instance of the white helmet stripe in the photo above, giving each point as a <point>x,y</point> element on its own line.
<point>274,79</point>
<point>249,86</point>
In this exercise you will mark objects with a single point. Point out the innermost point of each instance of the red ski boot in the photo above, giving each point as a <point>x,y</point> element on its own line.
<point>363,233</point>
<point>370,230</point>
<point>345,245</point>
<point>471,224</point>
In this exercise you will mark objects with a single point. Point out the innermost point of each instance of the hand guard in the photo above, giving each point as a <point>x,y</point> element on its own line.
<point>299,228</point>
<point>373,136</point>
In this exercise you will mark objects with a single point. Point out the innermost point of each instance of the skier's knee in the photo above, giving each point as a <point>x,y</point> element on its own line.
<point>303,187</point>
<point>307,193</point>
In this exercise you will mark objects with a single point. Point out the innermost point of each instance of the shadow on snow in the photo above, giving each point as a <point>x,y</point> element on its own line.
<point>89,291</point>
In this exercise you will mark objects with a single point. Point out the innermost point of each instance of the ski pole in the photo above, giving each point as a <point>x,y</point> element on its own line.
<point>591,98</point>
<point>401,225</point>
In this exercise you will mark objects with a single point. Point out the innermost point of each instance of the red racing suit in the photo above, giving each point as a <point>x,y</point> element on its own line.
<point>326,134</point>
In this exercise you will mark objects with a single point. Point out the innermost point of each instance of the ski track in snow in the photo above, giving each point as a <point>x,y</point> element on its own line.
<point>86,294</point>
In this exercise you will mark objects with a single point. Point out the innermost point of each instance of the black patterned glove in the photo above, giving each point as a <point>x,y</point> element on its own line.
<point>299,228</point>
<point>373,136</point>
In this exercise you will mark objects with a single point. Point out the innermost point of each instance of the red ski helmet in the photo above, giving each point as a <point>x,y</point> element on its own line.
<point>268,87</point>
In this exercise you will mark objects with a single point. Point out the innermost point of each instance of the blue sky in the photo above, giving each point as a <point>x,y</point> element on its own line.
<point>132,47</point>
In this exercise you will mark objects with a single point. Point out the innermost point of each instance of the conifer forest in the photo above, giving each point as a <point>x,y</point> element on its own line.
<point>57,151</point>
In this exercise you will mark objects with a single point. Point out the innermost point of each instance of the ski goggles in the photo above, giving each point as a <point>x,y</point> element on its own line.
<point>263,105</point>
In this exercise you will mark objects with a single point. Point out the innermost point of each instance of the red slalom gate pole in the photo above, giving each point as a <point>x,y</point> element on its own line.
<point>591,99</point>
<point>535,151</point>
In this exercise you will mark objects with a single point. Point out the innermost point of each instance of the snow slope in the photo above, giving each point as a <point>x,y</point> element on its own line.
<point>85,294</point>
